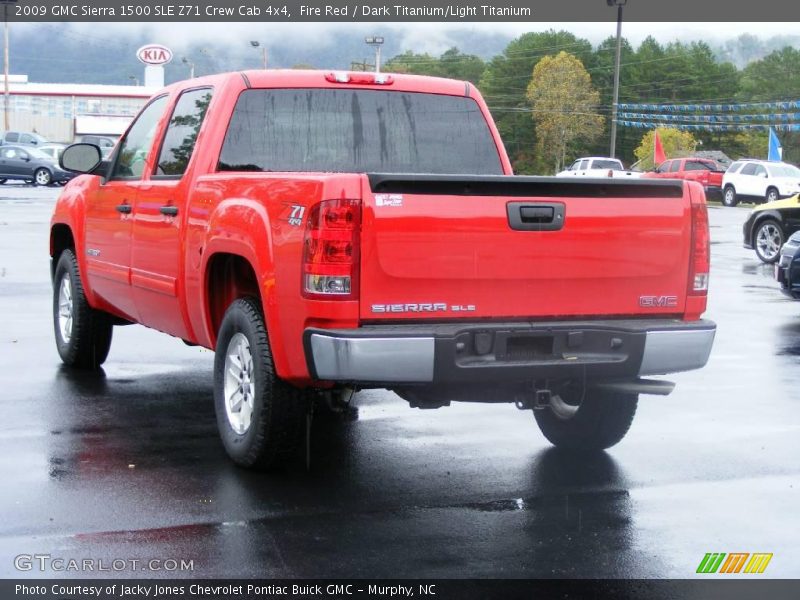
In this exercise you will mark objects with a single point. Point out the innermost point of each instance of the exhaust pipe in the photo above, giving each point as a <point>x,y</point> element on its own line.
<point>654,387</point>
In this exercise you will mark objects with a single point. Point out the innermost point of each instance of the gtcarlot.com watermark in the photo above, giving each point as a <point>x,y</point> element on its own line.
<point>49,563</point>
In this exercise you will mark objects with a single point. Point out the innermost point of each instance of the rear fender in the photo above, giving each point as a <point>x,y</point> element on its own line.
<point>242,227</point>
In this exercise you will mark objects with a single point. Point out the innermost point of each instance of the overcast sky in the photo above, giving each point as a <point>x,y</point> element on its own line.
<point>422,37</point>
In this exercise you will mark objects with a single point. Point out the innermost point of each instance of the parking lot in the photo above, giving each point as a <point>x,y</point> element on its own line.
<point>126,464</point>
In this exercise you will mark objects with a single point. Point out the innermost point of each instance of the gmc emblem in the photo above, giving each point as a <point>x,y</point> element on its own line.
<point>658,301</point>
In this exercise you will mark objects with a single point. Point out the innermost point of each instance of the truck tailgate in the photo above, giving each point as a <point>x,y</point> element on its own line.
<point>440,247</point>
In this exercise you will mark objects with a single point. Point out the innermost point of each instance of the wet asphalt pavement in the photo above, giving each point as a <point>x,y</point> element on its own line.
<point>127,465</point>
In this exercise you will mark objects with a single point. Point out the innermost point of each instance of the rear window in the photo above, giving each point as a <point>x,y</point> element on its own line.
<point>614,165</point>
<point>697,165</point>
<point>784,171</point>
<point>358,131</point>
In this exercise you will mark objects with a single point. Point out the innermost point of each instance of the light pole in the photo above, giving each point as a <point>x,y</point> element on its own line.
<point>190,64</point>
<point>5,59</point>
<point>256,44</point>
<point>376,41</point>
<point>619,4</point>
<point>134,79</point>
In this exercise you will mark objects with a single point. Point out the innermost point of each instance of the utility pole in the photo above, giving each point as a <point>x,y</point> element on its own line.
<point>256,44</point>
<point>376,41</point>
<point>7,102</point>
<point>619,4</point>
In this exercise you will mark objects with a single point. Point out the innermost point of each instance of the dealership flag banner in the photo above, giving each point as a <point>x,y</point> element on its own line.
<point>658,150</point>
<point>775,148</point>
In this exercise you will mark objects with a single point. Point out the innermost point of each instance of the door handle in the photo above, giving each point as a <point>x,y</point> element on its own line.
<point>170,211</point>
<point>124,208</point>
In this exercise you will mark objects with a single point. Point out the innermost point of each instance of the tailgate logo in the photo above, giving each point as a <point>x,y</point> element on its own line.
<point>658,301</point>
<point>395,200</point>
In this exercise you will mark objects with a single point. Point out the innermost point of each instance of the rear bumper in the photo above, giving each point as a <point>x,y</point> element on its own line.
<point>713,190</point>
<point>507,352</point>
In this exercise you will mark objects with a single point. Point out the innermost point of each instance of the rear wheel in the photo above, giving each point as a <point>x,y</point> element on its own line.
<point>767,241</point>
<point>260,417</point>
<point>729,196</point>
<point>772,195</point>
<point>579,419</point>
<point>42,177</point>
<point>83,335</point>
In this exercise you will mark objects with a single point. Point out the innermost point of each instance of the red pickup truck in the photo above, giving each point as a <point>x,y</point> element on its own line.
<point>327,232</point>
<point>706,172</point>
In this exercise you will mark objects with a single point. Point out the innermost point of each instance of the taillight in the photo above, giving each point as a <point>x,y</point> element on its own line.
<point>331,250</point>
<point>701,250</point>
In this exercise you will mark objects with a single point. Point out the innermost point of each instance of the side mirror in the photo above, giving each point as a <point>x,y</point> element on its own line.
<point>81,158</point>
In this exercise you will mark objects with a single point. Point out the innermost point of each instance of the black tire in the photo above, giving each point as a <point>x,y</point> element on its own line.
<point>278,410</point>
<point>729,196</point>
<point>601,420</point>
<point>769,250</point>
<point>771,195</point>
<point>89,339</point>
<point>42,177</point>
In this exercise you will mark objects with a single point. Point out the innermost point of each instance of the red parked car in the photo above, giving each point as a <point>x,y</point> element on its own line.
<point>702,170</point>
<point>326,232</point>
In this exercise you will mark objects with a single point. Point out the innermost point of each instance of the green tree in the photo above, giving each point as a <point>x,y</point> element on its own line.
<point>504,86</point>
<point>775,77</point>
<point>564,104</point>
<point>453,64</point>
<point>676,144</point>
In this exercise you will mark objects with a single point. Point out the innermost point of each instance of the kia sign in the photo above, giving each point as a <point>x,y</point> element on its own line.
<point>154,54</point>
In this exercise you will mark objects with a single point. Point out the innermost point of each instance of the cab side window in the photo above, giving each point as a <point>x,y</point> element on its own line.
<point>184,125</point>
<point>675,166</point>
<point>133,150</point>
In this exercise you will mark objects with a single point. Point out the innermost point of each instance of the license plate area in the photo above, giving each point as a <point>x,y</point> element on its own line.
<point>526,347</point>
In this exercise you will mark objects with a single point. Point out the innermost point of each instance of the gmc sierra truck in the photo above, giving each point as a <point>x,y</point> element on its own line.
<point>329,232</point>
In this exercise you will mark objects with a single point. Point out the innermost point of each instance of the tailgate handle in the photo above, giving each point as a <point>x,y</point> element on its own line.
<point>541,216</point>
<point>537,214</point>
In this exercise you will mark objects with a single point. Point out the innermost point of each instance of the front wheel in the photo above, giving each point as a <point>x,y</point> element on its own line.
<point>83,335</point>
<point>768,239</point>
<point>42,177</point>
<point>581,419</point>
<point>729,196</point>
<point>259,416</point>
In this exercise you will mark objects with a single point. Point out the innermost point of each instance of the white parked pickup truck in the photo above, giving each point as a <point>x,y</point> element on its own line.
<point>597,166</point>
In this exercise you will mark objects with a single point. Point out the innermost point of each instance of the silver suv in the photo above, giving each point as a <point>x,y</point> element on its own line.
<point>759,181</point>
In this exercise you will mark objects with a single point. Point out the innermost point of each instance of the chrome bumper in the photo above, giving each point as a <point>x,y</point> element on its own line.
<point>597,350</point>
<point>674,351</point>
<point>396,360</point>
